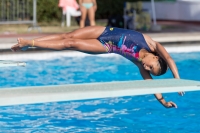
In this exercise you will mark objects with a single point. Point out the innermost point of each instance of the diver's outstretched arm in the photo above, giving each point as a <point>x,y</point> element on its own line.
<point>158,48</point>
<point>146,75</point>
<point>169,104</point>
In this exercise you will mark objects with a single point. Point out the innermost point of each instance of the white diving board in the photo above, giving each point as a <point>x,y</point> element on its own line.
<point>31,95</point>
<point>8,63</point>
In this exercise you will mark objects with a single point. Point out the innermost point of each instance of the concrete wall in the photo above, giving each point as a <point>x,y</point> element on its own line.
<point>181,10</point>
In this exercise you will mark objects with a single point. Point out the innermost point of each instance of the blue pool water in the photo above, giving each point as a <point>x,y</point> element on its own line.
<point>121,114</point>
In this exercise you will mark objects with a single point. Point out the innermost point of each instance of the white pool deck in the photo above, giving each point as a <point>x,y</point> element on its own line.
<point>42,94</point>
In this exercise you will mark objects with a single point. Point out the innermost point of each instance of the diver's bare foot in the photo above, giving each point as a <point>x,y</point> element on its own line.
<point>15,48</point>
<point>22,42</point>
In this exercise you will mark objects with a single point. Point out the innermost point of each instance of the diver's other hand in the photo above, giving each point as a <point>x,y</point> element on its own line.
<point>170,105</point>
<point>181,93</point>
<point>16,47</point>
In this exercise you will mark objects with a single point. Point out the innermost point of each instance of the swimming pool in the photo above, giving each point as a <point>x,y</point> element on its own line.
<point>120,114</point>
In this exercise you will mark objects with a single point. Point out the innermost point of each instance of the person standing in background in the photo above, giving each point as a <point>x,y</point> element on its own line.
<point>87,7</point>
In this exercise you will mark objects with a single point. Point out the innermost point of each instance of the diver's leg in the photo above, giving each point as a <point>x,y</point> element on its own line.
<point>92,46</point>
<point>90,32</point>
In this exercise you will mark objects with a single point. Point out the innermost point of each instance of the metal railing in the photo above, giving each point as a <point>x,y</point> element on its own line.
<point>19,12</point>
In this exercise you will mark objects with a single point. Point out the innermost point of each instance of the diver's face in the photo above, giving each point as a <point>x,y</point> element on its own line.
<point>151,64</point>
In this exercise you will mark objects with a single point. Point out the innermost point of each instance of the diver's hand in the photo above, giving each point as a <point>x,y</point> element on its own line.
<point>170,104</point>
<point>181,93</point>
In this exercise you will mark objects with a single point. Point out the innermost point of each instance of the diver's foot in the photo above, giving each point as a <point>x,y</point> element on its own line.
<point>22,42</point>
<point>15,48</point>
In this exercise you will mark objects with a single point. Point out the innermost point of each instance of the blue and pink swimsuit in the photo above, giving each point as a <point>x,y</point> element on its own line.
<point>125,42</point>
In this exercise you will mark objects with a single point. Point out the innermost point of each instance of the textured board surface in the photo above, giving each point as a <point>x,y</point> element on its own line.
<point>41,94</point>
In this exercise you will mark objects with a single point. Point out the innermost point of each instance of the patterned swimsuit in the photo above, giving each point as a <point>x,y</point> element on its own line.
<point>125,42</point>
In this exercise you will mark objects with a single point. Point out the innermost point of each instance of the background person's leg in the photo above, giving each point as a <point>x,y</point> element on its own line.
<point>83,16</point>
<point>91,15</point>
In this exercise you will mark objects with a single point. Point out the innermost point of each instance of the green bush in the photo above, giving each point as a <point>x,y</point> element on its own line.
<point>48,11</point>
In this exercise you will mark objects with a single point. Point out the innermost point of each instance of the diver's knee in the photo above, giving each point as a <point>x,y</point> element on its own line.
<point>69,43</point>
<point>68,35</point>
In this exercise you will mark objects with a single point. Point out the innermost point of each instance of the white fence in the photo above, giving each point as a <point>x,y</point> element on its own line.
<point>19,12</point>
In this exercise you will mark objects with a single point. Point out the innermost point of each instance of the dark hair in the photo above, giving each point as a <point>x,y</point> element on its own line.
<point>163,66</point>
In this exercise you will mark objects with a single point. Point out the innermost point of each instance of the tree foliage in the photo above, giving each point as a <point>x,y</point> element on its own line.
<point>48,10</point>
